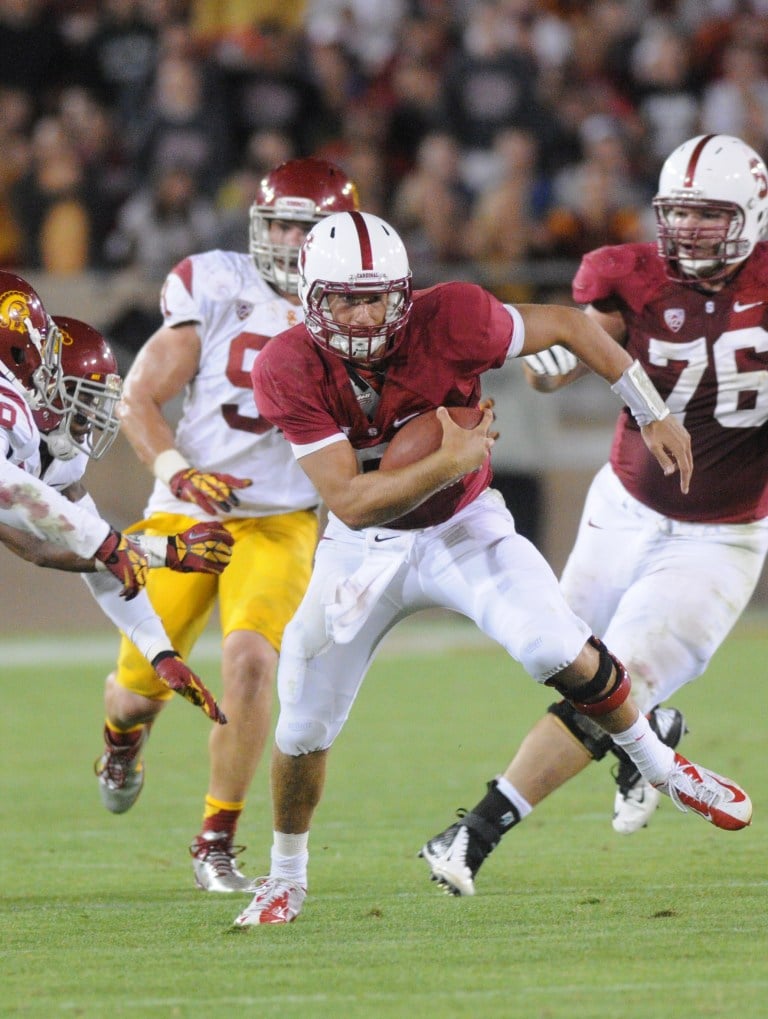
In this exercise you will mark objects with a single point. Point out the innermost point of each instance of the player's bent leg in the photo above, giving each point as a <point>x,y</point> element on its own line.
<point>120,767</point>
<point>133,697</point>
<point>691,787</point>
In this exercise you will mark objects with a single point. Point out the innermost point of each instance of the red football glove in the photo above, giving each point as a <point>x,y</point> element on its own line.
<point>211,492</point>
<point>204,548</point>
<point>126,561</point>
<point>182,680</point>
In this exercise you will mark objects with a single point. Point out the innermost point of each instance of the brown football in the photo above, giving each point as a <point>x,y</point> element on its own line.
<point>418,438</point>
<point>422,435</point>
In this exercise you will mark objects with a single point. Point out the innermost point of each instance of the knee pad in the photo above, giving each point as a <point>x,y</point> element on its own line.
<point>298,736</point>
<point>594,699</point>
<point>595,740</point>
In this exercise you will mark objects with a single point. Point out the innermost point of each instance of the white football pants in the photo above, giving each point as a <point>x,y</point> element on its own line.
<point>364,582</point>
<point>661,593</point>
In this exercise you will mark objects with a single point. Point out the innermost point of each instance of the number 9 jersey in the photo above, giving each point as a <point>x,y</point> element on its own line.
<point>220,429</point>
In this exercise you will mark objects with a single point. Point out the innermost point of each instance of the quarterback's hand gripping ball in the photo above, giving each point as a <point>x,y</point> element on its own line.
<point>182,680</point>
<point>204,548</point>
<point>212,492</point>
<point>126,561</point>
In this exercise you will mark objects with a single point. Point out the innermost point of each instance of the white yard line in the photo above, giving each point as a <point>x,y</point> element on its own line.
<point>425,635</point>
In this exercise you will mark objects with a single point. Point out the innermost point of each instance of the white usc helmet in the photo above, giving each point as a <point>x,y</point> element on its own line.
<point>354,253</point>
<point>720,175</point>
<point>83,416</point>
<point>298,191</point>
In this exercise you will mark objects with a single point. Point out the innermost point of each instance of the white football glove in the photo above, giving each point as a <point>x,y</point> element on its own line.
<point>555,360</point>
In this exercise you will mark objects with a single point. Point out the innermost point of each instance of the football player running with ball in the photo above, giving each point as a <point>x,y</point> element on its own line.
<point>693,311</point>
<point>59,387</point>
<point>226,461</point>
<point>370,355</point>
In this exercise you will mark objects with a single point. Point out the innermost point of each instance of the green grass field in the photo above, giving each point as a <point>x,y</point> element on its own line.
<point>100,916</point>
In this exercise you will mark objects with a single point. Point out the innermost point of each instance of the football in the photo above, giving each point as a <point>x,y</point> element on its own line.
<point>418,438</point>
<point>422,435</point>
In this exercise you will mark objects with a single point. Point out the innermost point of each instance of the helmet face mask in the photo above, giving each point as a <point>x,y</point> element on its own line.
<point>300,193</point>
<point>82,418</point>
<point>711,207</point>
<point>355,256</point>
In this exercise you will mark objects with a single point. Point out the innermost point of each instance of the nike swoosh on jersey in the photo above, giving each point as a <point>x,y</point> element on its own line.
<point>738,306</point>
<point>385,537</point>
<point>398,422</point>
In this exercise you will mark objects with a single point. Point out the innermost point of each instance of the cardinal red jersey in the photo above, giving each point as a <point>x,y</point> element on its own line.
<point>456,331</point>
<point>707,354</point>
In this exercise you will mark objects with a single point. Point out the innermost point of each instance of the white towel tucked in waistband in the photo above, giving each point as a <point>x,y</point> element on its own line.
<point>355,596</point>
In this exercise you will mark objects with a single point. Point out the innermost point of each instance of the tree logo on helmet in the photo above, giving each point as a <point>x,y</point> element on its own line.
<point>757,169</point>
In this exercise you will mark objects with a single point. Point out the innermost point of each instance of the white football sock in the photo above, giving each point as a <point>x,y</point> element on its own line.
<point>517,800</point>
<point>652,758</point>
<point>290,856</point>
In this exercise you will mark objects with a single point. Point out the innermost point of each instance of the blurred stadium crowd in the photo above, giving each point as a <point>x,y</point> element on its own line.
<point>493,132</point>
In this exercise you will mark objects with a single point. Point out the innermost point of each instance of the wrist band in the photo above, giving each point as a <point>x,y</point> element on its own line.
<point>640,395</point>
<point>154,547</point>
<point>168,463</point>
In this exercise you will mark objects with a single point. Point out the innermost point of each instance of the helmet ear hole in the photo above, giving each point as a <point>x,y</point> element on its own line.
<point>18,355</point>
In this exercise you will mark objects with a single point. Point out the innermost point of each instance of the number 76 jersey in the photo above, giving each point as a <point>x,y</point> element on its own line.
<point>220,429</point>
<point>707,354</point>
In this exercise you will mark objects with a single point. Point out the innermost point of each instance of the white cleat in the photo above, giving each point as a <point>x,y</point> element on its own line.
<point>454,857</point>
<point>634,807</point>
<point>718,800</point>
<point>277,900</point>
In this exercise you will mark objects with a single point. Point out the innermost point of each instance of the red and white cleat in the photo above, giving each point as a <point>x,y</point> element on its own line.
<point>277,900</point>
<point>718,800</point>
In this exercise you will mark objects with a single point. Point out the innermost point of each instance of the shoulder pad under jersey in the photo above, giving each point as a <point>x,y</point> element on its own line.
<point>601,269</point>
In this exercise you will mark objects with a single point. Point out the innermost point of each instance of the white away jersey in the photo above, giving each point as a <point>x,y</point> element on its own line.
<point>236,313</point>
<point>19,436</point>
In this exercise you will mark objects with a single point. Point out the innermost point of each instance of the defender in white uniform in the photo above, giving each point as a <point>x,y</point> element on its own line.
<point>224,461</point>
<point>56,414</point>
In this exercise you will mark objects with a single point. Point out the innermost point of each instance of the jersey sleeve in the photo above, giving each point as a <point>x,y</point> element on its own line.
<point>178,303</point>
<point>32,506</point>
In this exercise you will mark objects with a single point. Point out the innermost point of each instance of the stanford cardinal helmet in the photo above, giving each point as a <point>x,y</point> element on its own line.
<point>714,175</point>
<point>354,253</point>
